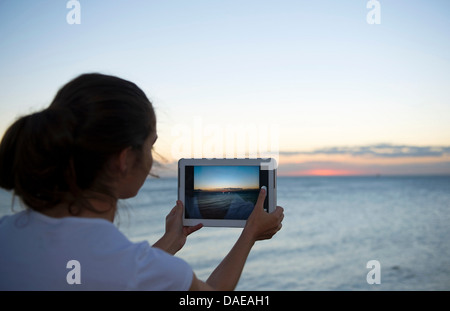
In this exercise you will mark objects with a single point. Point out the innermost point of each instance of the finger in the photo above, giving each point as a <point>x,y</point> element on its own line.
<point>270,233</point>
<point>279,211</point>
<point>192,229</point>
<point>261,197</point>
<point>279,227</point>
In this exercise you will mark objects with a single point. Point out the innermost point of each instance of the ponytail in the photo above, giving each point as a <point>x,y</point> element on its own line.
<point>34,156</point>
<point>8,148</point>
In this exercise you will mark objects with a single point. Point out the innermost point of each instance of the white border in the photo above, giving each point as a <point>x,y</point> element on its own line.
<point>263,164</point>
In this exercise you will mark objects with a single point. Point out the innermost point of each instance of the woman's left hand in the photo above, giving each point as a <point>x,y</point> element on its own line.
<point>176,234</point>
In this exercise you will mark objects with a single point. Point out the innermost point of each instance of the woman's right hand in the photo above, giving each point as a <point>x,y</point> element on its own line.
<point>260,224</point>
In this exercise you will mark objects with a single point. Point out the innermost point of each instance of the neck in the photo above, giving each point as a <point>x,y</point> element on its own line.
<point>101,206</point>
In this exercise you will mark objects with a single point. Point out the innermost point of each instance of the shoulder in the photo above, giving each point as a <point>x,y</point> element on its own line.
<point>14,221</point>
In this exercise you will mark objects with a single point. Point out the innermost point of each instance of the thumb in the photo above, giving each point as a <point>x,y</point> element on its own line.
<point>262,196</point>
<point>179,206</point>
<point>176,209</point>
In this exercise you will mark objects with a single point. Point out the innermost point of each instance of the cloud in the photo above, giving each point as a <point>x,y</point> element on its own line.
<point>379,150</point>
<point>345,168</point>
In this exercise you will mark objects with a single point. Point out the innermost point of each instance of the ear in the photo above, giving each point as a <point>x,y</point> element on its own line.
<point>125,160</point>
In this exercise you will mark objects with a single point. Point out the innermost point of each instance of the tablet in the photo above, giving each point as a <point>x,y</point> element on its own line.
<point>223,192</point>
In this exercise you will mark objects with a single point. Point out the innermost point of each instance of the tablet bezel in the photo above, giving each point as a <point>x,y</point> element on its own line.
<point>268,165</point>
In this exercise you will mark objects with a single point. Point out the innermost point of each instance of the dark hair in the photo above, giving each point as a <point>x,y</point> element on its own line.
<point>52,155</point>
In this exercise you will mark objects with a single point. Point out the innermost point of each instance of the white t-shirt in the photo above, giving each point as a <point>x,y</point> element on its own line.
<point>35,251</point>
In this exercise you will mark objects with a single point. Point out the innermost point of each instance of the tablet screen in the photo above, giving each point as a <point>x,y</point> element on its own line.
<point>222,192</point>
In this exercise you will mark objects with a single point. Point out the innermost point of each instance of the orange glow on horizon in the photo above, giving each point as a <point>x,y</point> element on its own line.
<point>323,172</point>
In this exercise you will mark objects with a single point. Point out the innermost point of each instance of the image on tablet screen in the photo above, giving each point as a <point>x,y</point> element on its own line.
<point>222,192</point>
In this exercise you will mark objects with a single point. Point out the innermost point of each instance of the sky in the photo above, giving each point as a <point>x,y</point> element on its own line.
<point>309,81</point>
<point>216,177</point>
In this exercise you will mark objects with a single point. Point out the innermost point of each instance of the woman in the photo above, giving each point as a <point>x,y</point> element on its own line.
<point>70,164</point>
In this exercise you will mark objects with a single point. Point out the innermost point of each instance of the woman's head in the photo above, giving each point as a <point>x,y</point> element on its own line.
<point>95,133</point>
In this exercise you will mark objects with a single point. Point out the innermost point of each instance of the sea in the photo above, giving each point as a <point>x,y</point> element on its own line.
<point>388,233</point>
